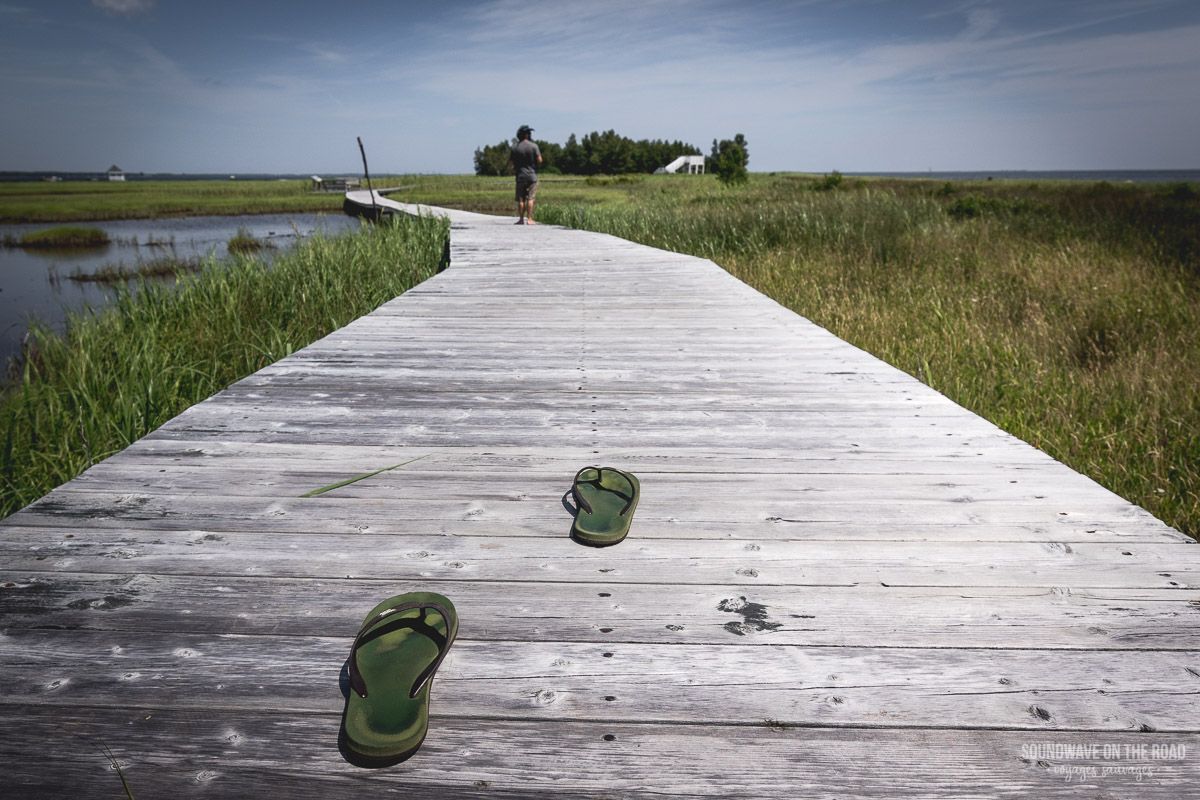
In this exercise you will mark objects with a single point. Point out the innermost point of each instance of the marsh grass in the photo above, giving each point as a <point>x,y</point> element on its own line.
<point>245,242</point>
<point>73,201</point>
<point>61,237</point>
<point>1065,313</point>
<point>151,242</point>
<point>163,267</point>
<point>495,195</point>
<point>121,372</point>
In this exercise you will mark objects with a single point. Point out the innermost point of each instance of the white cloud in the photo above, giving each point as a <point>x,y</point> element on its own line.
<point>326,54</point>
<point>321,50</point>
<point>124,6</point>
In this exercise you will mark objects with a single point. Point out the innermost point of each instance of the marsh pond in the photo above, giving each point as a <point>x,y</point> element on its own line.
<point>48,284</point>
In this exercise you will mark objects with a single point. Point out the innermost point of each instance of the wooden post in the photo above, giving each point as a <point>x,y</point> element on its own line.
<point>376,213</point>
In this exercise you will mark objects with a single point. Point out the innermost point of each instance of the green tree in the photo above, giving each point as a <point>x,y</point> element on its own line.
<point>740,141</point>
<point>729,159</point>
<point>613,154</point>
<point>573,157</point>
<point>552,156</point>
<point>493,159</point>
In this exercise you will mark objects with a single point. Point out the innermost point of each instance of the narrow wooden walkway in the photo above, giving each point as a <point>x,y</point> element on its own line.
<point>838,583</point>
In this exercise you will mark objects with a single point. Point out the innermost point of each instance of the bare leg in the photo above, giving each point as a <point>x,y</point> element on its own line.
<point>529,212</point>
<point>520,212</point>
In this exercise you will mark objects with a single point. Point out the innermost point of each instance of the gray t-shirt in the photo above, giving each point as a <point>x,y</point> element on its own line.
<point>525,158</point>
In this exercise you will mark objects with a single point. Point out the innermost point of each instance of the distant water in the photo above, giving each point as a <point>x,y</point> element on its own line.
<point>1110,175</point>
<point>37,283</point>
<point>158,176</point>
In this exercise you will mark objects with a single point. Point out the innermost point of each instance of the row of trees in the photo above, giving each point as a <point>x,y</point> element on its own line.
<point>605,154</point>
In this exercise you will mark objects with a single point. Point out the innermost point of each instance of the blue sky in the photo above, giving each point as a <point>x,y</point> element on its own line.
<point>815,85</point>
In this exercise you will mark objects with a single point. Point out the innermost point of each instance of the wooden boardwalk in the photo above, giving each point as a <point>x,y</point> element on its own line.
<point>838,583</point>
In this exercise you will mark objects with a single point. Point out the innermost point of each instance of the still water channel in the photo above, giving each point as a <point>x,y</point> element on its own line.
<point>36,283</point>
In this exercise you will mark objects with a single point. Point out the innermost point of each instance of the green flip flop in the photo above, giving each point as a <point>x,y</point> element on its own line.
<point>392,662</point>
<point>605,499</point>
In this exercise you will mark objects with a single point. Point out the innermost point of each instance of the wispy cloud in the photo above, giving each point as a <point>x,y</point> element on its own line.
<point>323,51</point>
<point>986,57</point>
<point>127,7</point>
<point>24,17</point>
<point>326,54</point>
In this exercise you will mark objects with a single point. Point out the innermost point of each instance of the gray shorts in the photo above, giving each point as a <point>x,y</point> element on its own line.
<point>526,191</point>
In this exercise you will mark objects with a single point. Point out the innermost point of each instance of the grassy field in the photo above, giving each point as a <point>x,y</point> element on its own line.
<point>101,200</point>
<point>120,374</point>
<point>1066,313</point>
<point>60,237</point>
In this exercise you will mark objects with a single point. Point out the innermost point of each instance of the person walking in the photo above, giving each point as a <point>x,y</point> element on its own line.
<point>525,157</point>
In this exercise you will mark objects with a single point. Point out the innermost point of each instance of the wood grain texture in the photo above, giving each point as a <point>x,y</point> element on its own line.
<point>837,583</point>
<point>622,682</point>
<point>730,614</point>
<point>250,754</point>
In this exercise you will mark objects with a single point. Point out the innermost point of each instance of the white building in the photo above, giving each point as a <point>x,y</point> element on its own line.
<point>692,165</point>
<point>115,173</point>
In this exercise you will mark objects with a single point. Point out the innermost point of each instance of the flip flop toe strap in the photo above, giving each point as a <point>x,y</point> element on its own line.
<point>356,679</point>
<point>580,502</point>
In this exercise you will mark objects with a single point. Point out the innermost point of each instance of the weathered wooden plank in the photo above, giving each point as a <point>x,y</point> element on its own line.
<point>410,555</point>
<point>564,379</point>
<point>852,400</point>
<point>686,506</point>
<point>935,459</point>
<point>134,513</point>
<point>805,406</point>
<point>858,616</point>
<point>200,753</point>
<point>690,495</point>
<point>798,508</point>
<point>467,428</point>
<point>955,461</point>
<point>615,682</point>
<point>880,455</point>
<point>471,419</point>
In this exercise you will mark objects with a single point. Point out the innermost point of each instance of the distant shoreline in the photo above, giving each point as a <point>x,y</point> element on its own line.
<point>1110,175</point>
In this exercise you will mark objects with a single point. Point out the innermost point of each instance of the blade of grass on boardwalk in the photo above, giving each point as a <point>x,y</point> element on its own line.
<point>100,745</point>
<point>349,481</point>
